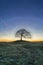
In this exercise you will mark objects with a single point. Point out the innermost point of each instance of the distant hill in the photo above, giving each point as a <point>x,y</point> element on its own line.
<point>22,43</point>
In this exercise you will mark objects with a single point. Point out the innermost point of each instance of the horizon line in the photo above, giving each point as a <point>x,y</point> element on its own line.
<point>24,40</point>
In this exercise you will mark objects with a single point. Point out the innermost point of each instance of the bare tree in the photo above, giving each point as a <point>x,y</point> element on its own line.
<point>23,33</point>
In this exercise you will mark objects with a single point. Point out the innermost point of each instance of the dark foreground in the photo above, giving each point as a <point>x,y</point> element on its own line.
<point>21,53</point>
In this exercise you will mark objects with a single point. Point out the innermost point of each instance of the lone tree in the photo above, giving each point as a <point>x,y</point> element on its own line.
<point>22,33</point>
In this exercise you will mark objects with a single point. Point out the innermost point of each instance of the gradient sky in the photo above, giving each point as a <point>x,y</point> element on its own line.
<point>17,14</point>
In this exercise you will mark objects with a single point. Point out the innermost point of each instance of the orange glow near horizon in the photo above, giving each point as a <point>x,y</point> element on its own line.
<point>11,39</point>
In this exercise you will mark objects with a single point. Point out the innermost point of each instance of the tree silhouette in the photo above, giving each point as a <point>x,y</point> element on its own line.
<point>23,33</point>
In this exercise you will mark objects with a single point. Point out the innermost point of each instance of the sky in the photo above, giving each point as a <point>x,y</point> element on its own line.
<point>18,14</point>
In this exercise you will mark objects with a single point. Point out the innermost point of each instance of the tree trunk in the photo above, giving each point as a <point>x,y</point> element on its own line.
<point>21,37</point>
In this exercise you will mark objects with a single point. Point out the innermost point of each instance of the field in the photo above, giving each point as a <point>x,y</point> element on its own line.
<point>21,53</point>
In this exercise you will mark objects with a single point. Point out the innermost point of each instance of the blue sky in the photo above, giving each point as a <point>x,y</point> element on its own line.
<point>16,14</point>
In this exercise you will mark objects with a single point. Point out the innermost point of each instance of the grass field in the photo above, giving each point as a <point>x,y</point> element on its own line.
<point>21,53</point>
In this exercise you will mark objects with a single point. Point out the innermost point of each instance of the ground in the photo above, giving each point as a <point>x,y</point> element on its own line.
<point>21,53</point>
